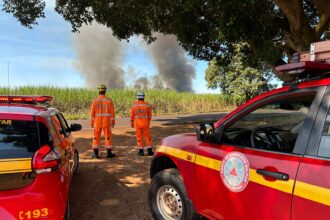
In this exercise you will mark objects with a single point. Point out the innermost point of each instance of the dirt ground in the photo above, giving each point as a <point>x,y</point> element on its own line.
<point>116,188</point>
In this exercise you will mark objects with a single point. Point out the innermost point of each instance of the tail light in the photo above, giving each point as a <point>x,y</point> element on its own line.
<point>45,160</point>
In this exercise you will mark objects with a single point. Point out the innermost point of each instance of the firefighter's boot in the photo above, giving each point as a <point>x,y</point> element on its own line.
<point>150,153</point>
<point>140,152</point>
<point>95,153</point>
<point>110,154</point>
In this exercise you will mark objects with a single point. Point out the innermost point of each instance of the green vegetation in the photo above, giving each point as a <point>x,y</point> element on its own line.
<point>75,102</point>
<point>238,79</point>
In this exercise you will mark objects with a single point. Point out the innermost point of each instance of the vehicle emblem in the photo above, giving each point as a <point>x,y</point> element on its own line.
<point>235,171</point>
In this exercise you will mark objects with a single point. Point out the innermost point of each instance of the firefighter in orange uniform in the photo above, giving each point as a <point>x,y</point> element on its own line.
<point>140,119</point>
<point>102,118</point>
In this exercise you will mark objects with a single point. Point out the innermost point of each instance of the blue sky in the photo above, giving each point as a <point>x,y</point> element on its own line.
<point>45,55</point>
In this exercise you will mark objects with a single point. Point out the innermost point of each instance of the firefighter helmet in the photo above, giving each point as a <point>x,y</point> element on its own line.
<point>140,95</point>
<point>102,88</point>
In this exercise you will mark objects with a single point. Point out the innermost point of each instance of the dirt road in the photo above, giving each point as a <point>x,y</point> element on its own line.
<point>117,188</point>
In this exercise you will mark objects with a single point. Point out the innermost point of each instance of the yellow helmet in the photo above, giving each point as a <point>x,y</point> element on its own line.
<point>102,88</point>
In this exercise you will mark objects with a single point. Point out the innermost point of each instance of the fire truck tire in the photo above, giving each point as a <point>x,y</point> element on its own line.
<point>168,197</point>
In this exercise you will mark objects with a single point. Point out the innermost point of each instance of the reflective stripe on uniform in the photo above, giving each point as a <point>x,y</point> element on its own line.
<point>103,114</point>
<point>103,100</point>
<point>140,105</point>
<point>141,116</point>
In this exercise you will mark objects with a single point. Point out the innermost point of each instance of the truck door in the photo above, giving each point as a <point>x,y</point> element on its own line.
<point>311,197</point>
<point>250,172</point>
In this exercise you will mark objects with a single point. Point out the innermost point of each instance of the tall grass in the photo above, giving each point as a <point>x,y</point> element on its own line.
<point>75,102</point>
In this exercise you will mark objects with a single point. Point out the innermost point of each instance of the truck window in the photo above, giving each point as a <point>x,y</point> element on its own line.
<point>324,149</point>
<point>58,127</point>
<point>18,139</point>
<point>44,135</point>
<point>64,123</point>
<point>274,126</point>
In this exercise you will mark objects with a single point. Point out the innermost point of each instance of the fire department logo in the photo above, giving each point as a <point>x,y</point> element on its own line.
<point>234,171</point>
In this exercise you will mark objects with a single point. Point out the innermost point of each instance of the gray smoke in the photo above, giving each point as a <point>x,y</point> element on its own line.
<point>100,56</point>
<point>158,82</point>
<point>141,83</point>
<point>172,64</point>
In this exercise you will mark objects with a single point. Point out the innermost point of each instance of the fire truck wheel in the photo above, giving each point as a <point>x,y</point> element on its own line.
<point>75,162</point>
<point>168,197</point>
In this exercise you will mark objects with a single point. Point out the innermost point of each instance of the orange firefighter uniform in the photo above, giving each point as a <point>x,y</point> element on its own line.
<point>140,119</point>
<point>102,118</point>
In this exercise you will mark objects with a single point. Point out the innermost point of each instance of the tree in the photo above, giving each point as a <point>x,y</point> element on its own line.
<point>205,28</point>
<point>26,11</point>
<point>237,79</point>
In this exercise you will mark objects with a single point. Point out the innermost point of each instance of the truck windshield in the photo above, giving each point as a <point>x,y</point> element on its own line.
<point>18,139</point>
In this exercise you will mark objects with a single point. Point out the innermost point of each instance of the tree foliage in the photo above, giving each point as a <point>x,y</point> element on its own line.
<point>237,78</point>
<point>26,11</point>
<point>274,29</point>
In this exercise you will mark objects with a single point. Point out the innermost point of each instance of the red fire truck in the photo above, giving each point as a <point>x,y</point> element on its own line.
<point>37,159</point>
<point>268,159</point>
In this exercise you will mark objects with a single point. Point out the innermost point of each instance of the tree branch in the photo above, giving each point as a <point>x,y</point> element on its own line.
<point>301,34</point>
<point>322,6</point>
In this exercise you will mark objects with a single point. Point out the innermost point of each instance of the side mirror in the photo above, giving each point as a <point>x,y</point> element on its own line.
<point>75,127</point>
<point>205,132</point>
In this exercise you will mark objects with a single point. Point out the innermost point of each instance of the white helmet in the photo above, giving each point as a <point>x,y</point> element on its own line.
<point>140,95</point>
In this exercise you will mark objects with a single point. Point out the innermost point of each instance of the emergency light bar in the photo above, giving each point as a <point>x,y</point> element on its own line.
<point>307,65</point>
<point>299,67</point>
<point>47,100</point>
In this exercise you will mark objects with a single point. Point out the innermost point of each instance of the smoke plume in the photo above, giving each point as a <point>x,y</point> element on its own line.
<point>100,57</point>
<point>158,82</point>
<point>171,62</point>
<point>142,83</point>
